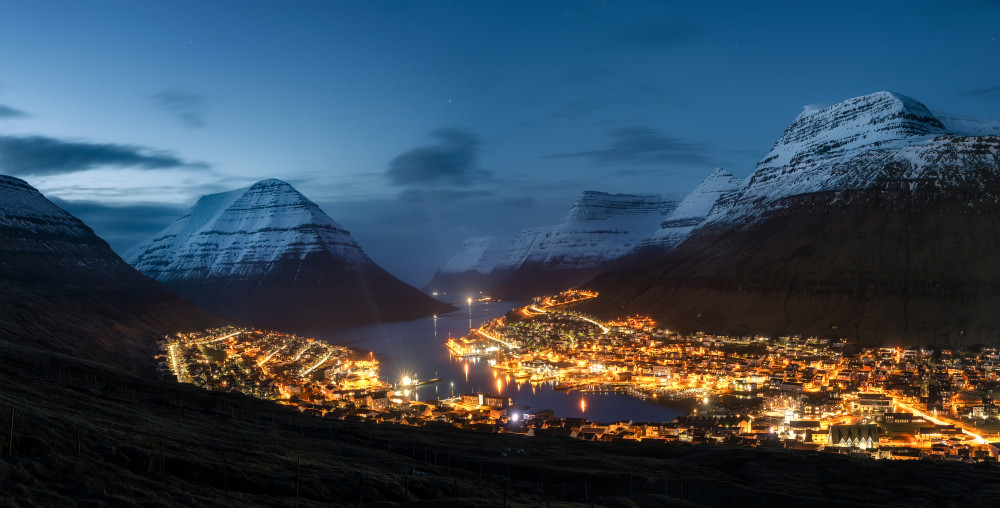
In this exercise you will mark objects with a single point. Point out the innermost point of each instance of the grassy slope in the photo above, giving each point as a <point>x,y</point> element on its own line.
<point>228,450</point>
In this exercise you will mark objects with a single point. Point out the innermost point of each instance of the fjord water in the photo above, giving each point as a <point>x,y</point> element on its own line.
<point>417,349</point>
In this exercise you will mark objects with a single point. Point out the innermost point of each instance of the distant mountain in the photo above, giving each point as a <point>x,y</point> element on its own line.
<point>598,229</point>
<point>62,288</point>
<point>693,210</point>
<point>869,219</point>
<point>266,255</point>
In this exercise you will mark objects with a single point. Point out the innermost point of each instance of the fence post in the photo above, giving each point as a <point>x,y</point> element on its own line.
<point>10,443</point>
<point>361,484</point>
<point>298,470</point>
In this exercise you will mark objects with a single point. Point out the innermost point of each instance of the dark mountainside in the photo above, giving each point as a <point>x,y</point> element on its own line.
<point>87,435</point>
<point>266,256</point>
<point>888,234</point>
<point>62,288</point>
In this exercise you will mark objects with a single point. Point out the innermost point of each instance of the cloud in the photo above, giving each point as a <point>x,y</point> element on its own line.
<point>990,92</point>
<point>452,161</point>
<point>123,226</point>
<point>653,35</point>
<point>40,156</point>
<point>7,112</point>
<point>188,108</point>
<point>642,145</point>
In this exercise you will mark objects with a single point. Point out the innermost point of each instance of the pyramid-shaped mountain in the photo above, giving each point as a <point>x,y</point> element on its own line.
<point>267,256</point>
<point>62,288</point>
<point>868,220</point>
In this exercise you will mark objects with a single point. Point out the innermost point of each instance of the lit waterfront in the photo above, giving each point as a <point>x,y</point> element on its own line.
<point>417,348</point>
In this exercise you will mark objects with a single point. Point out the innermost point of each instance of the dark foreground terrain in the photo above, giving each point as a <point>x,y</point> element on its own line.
<point>85,435</point>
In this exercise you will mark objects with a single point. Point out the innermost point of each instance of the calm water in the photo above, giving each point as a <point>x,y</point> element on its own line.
<point>416,349</point>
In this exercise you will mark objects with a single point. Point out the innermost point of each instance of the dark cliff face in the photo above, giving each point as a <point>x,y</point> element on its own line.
<point>62,288</point>
<point>269,257</point>
<point>896,243</point>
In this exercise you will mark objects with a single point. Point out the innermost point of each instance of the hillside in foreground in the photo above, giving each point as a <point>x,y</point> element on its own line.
<point>86,435</point>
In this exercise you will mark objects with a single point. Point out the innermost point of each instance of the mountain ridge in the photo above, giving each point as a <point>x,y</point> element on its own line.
<point>874,223</point>
<point>268,256</point>
<point>63,289</point>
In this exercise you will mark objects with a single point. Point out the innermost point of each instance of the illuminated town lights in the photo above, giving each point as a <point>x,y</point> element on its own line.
<point>514,417</point>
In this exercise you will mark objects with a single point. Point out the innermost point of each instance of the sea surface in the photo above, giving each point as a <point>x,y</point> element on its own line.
<point>416,349</point>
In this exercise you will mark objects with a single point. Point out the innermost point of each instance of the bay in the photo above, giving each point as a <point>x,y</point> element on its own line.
<point>416,349</point>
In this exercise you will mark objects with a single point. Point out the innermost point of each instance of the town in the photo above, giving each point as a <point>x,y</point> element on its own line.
<point>790,392</point>
<point>793,392</point>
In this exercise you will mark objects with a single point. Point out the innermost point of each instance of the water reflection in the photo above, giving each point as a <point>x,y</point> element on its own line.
<point>416,349</point>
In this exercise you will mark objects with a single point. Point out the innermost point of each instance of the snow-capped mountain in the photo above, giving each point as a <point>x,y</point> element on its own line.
<point>693,210</point>
<point>242,233</point>
<point>478,254</point>
<point>598,229</point>
<point>517,250</point>
<point>860,143</point>
<point>869,219</point>
<point>63,288</point>
<point>267,255</point>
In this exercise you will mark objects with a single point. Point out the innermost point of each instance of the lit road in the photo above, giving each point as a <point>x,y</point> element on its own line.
<point>175,364</point>
<point>488,336</point>
<point>217,339</point>
<point>538,310</point>
<point>321,362</point>
<point>262,362</point>
<point>979,439</point>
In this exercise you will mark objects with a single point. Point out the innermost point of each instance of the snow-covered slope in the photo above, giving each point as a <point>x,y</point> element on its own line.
<point>693,209</point>
<point>474,255</point>
<point>871,219</point>
<point>516,251</point>
<point>268,256</point>
<point>241,233</point>
<point>23,207</point>
<point>968,126</point>
<point>851,145</point>
<point>598,228</point>
<point>62,287</point>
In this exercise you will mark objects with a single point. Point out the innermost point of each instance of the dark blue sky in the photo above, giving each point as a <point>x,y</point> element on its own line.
<point>417,124</point>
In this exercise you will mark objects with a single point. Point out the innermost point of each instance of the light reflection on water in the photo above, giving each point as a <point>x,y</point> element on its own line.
<point>417,349</point>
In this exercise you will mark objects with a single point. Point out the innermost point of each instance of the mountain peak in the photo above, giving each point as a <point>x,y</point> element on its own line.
<point>268,256</point>
<point>228,233</point>
<point>870,120</point>
<point>270,182</point>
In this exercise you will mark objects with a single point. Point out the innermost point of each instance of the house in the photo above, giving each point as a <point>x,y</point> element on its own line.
<point>862,436</point>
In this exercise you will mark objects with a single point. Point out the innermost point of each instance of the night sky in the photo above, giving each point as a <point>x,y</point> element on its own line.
<point>418,124</point>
